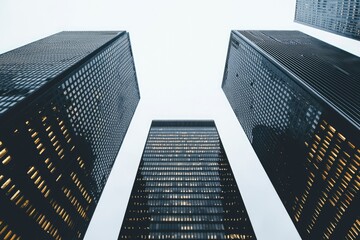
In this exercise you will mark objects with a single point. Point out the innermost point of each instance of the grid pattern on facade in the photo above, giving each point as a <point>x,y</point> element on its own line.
<point>184,188</point>
<point>309,151</point>
<point>26,69</point>
<point>111,105</point>
<point>337,16</point>
<point>56,154</point>
<point>252,77</point>
<point>330,72</point>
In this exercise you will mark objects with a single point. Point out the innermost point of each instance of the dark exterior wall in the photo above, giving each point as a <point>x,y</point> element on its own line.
<point>63,135</point>
<point>301,125</point>
<point>337,16</point>
<point>184,188</point>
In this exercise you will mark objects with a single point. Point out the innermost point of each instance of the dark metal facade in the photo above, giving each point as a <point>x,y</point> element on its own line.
<point>66,103</point>
<point>184,188</point>
<point>297,101</point>
<point>337,16</point>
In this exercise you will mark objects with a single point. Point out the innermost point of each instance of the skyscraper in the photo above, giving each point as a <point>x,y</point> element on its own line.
<point>297,99</point>
<point>337,16</point>
<point>65,105</point>
<point>184,187</point>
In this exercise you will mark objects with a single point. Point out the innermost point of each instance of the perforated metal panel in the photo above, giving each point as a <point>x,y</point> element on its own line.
<point>330,72</point>
<point>26,69</point>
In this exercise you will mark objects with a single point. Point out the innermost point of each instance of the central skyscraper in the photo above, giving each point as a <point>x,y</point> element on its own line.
<point>184,188</point>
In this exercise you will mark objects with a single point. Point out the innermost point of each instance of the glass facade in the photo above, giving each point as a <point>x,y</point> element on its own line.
<point>65,105</point>
<point>337,16</point>
<point>296,99</point>
<point>184,187</point>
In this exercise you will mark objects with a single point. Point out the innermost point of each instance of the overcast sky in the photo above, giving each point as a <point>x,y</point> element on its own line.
<point>180,50</point>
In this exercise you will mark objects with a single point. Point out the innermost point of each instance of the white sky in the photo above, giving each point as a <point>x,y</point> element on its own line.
<point>180,50</point>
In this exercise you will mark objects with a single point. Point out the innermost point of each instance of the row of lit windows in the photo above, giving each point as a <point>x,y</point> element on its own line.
<point>192,236</point>
<point>184,184</point>
<point>62,213</point>
<point>39,182</point>
<point>154,140</point>
<point>169,155</point>
<point>55,142</point>
<point>189,162</point>
<point>183,146</point>
<point>193,160</point>
<point>176,168</point>
<point>183,134</point>
<point>191,137</point>
<point>34,135</point>
<point>75,202</point>
<point>64,131</point>
<point>19,199</point>
<point>226,195</point>
<point>183,151</point>
<point>186,189</point>
<point>186,218</point>
<point>186,227</point>
<point>196,235</point>
<point>187,210</point>
<point>6,233</point>
<point>141,209</point>
<point>179,196</point>
<point>180,173</point>
<point>178,142</point>
<point>80,186</point>
<point>4,157</point>
<point>171,178</point>
<point>354,231</point>
<point>80,162</point>
<point>39,146</point>
<point>186,200</point>
<point>181,128</point>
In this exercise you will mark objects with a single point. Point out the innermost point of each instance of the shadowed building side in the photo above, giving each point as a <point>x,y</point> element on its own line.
<point>296,99</point>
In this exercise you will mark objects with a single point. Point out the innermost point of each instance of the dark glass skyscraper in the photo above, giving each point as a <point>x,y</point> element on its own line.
<point>337,16</point>
<point>66,102</point>
<point>184,188</point>
<point>298,101</point>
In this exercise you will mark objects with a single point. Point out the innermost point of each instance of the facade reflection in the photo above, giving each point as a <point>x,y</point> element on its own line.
<point>296,99</point>
<point>65,105</point>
